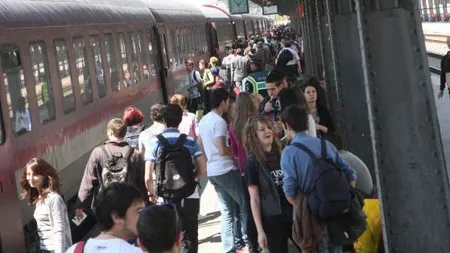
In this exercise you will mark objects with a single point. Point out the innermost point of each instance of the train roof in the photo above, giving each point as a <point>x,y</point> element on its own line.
<point>214,13</point>
<point>42,13</point>
<point>175,11</point>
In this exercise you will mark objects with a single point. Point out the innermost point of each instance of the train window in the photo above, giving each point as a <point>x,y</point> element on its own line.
<point>14,80</point>
<point>99,71</point>
<point>42,82</point>
<point>64,78</point>
<point>177,45</point>
<point>111,60</point>
<point>82,66</point>
<point>150,49</point>
<point>124,60</point>
<point>135,69</point>
<point>143,55</point>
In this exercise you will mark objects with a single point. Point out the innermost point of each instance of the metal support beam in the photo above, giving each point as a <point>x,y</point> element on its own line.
<point>406,142</point>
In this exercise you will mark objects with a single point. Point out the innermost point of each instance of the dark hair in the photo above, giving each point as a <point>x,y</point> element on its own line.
<point>51,181</point>
<point>274,78</point>
<point>295,117</point>
<point>337,140</point>
<point>158,228</point>
<point>118,127</point>
<point>289,97</point>
<point>173,114</point>
<point>156,112</point>
<point>132,116</point>
<point>115,198</point>
<point>218,96</point>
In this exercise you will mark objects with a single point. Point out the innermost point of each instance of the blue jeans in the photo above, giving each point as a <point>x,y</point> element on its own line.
<point>325,245</point>
<point>230,190</point>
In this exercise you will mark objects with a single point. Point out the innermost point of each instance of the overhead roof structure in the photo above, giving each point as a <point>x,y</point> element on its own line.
<point>214,13</point>
<point>171,11</point>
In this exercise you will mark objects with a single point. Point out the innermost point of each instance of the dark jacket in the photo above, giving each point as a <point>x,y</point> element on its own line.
<point>268,194</point>
<point>90,182</point>
<point>325,118</point>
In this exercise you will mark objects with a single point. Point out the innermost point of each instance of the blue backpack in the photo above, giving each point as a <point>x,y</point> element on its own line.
<point>330,194</point>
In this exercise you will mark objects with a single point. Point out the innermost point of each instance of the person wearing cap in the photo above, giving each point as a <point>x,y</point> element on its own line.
<point>256,81</point>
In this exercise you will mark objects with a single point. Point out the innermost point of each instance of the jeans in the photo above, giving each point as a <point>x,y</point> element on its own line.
<point>229,189</point>
<point>325,245</point>
<point>189,220</point>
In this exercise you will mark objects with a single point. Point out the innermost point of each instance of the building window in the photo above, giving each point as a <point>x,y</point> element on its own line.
<point>42,82</point>
<point>16,92</point>
<point>82,66</point>
<point>99,71</point>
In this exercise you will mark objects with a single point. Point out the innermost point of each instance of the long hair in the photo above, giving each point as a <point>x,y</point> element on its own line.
<point>245,109</point>
<point>51,181</point>
<point>252,144</point>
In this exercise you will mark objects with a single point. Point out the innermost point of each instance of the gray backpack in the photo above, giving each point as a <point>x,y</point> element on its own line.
<point>116,167</point>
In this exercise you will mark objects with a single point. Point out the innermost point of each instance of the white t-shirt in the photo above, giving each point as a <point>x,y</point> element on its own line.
<point>150,133</point>
<point>107,246</point>
<point>213,126</point>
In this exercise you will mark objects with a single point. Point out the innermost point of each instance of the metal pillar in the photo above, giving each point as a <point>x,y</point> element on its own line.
<point>410,167</point>
<point>312,52</point>
<point>345,78</point>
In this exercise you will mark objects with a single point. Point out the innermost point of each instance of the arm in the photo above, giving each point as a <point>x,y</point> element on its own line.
<point>223,149</point>
<point>59,217</point>
<point>149,166</point>
<point>339,160</point>
<point>200,164</point>
<point>86,190</point>
<point>290,181</point>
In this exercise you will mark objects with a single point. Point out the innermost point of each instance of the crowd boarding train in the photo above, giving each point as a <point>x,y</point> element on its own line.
<point>67,67</point>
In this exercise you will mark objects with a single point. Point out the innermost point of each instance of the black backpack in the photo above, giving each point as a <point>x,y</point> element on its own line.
<point>116,167</point>
<point>330,194</point>
<point>175,177</point>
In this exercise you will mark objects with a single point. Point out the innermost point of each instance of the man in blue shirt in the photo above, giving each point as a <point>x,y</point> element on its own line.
<point>297,165</point>
<point>191,205</point>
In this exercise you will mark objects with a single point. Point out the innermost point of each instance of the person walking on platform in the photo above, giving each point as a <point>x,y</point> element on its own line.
<point>208,82</point>
<point>195,84</point>
<point>270,106</point>
<point>189,123</point>
<point>289,60</point>
<point>445,72</point>
<point>324,122</point>
<point>300,169</point>
<point>221,168</point>
<point>156,114</point>
<point>40,186</point>
<point>256,81</point>
<point>112,161</point>
<point>239,68</point>
<point>133,118</point>
<point>189,206</point>
<point>271,211</point>
<point>117,211</point>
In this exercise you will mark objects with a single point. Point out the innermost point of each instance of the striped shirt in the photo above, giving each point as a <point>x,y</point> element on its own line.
<point>172,135</point>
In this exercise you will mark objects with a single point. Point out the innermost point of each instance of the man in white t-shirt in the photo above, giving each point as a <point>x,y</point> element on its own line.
<point>117,211</point>
<point>221,168</point>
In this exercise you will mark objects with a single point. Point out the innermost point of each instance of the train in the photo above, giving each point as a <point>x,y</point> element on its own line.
<point>67,67</point>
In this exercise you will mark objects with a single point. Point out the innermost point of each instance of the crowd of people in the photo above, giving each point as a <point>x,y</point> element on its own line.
<point>264,139</point>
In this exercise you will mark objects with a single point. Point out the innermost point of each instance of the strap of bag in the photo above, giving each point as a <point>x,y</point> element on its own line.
<point>305,149</point>
<point>106,151</point>
<point>181,140</point>
<point>79,248</point>
<point>323,147</point>
<point>162,140</point>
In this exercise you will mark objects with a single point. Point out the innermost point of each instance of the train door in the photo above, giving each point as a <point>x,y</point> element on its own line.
<point>163,60</point>
<point>213,43</point>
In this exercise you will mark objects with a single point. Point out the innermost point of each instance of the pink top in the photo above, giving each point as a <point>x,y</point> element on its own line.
<point>189,125</point>
<point>238,150</point>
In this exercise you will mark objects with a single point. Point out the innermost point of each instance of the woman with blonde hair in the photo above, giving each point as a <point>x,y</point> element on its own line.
<point>208,82</point>
<point>40,186</point>
<point>189,122</point>
<point>270,209</point>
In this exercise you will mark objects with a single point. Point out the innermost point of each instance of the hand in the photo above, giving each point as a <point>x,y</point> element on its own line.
<point>322,128</point>
<point>79,214</point>
<point>441,94</point>
<point>152,197</point>
<point>262,241</point>
<point>268,107</point>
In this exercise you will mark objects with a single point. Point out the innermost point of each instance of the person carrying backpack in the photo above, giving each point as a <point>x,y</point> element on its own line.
<point>112,161</point>
<point>315,168</point>
<point>195,85</point>
<point>178,163</point>
<point>133,118</point>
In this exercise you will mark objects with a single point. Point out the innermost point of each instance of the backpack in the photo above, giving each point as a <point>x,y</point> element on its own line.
<point>116,167</point>
<point>132,137</point>
<point>330,194</point>
<point>175,177</point>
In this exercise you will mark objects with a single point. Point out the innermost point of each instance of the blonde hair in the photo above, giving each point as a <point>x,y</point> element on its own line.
<point>244,110</point>
<point>179,99</point>
<point>252,144</point>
